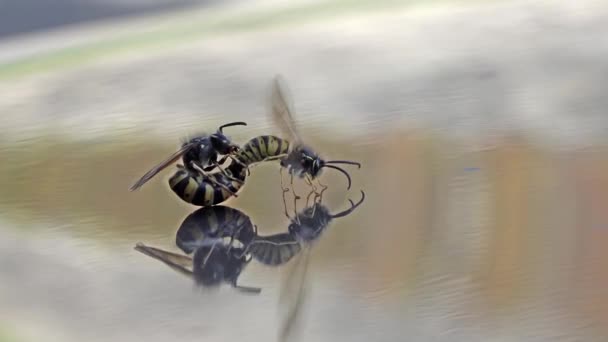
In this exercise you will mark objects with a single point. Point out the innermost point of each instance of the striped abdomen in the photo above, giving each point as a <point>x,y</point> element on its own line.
<point>275,249</point>
<point>263,147</point>
<point>197,189</point>
<point>213,222</point>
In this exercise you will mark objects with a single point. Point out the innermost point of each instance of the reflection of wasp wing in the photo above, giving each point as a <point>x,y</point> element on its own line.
<point>282,111</point>
<point>179,263</point>
<point>293,294</point>
<point>173,158</point>
<point>275,249</point>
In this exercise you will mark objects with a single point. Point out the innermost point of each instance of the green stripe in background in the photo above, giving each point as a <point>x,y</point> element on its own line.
<point>179,32</point>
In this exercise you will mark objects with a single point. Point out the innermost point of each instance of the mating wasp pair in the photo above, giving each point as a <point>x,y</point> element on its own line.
<point>203,181</point>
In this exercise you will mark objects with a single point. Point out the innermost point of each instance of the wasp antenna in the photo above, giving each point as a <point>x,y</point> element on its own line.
<point>237,123</point>
<point>344,162</point>
<point>341,170</point>
<point>353,206</point>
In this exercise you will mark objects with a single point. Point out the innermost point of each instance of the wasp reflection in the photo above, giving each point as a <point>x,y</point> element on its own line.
<point>219,242</point>
<point>217,238</point>
<point>305,228</point>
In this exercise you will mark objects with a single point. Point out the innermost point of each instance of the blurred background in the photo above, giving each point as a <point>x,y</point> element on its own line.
<point>481,127</point>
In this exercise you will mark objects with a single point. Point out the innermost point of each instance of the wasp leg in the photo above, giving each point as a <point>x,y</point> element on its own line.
<point>308,180</point>
<point>212,180</point>
<point>280,156</point>
<point>285,190</point>
<point>226,173</point>
<point>236,160</point>
<point>215,164</point>
<point>295,199</point>
<point>321,185</point>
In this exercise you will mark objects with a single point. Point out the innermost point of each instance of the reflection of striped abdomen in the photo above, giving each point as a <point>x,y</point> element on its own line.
<point>275,249</point>
<point>197,189</point>
<point>209,223</point>
<point>262,147</point>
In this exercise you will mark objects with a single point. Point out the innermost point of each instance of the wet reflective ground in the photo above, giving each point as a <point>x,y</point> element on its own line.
<point>484,169</point>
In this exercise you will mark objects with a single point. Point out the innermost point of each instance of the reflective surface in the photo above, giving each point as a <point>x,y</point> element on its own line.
<point>481,133</point>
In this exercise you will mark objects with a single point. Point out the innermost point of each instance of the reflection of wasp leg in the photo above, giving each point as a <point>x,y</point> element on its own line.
<point>208,255</point>
<point>285,190</point>
<point>318,199</point>
<point>310,183</point>
<point>319,196</point>
<point>212,180</point>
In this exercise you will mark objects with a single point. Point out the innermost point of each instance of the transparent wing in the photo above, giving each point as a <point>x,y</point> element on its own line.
<point>293,295</point>
<point>281,110</point>
<point>275,249</point>
<point>179,263</point>
<point>172,159</point>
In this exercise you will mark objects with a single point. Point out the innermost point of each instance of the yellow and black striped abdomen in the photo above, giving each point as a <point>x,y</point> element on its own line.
<point>213,222</point>
<point>199,190</point>
<point>275,249</point>
<point>260,148</point>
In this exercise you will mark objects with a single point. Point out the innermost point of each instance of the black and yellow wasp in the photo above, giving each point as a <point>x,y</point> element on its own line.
<point>300,159</point>
<point>217,238</point>
<point>214,188</point>
<point>194,182</point>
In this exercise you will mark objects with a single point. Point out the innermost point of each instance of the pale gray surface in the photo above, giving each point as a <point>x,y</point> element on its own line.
<point>467,72</point>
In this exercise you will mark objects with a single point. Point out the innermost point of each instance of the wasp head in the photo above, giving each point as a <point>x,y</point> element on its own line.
<point>310,162</point>
<point>221,143</point>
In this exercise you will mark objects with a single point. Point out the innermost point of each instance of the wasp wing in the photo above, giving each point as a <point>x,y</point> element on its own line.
<point>293,294</point>
<point>275,249</point>
<point>281,110</point>
<point>179,263</point>
<point>173,158</point>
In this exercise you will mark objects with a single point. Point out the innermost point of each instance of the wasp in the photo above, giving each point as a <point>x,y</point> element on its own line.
<point>305,228</point>
<point>300,159</point>
<point>217,238</point>
<point>210,189</point>
<point>199,155</point>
